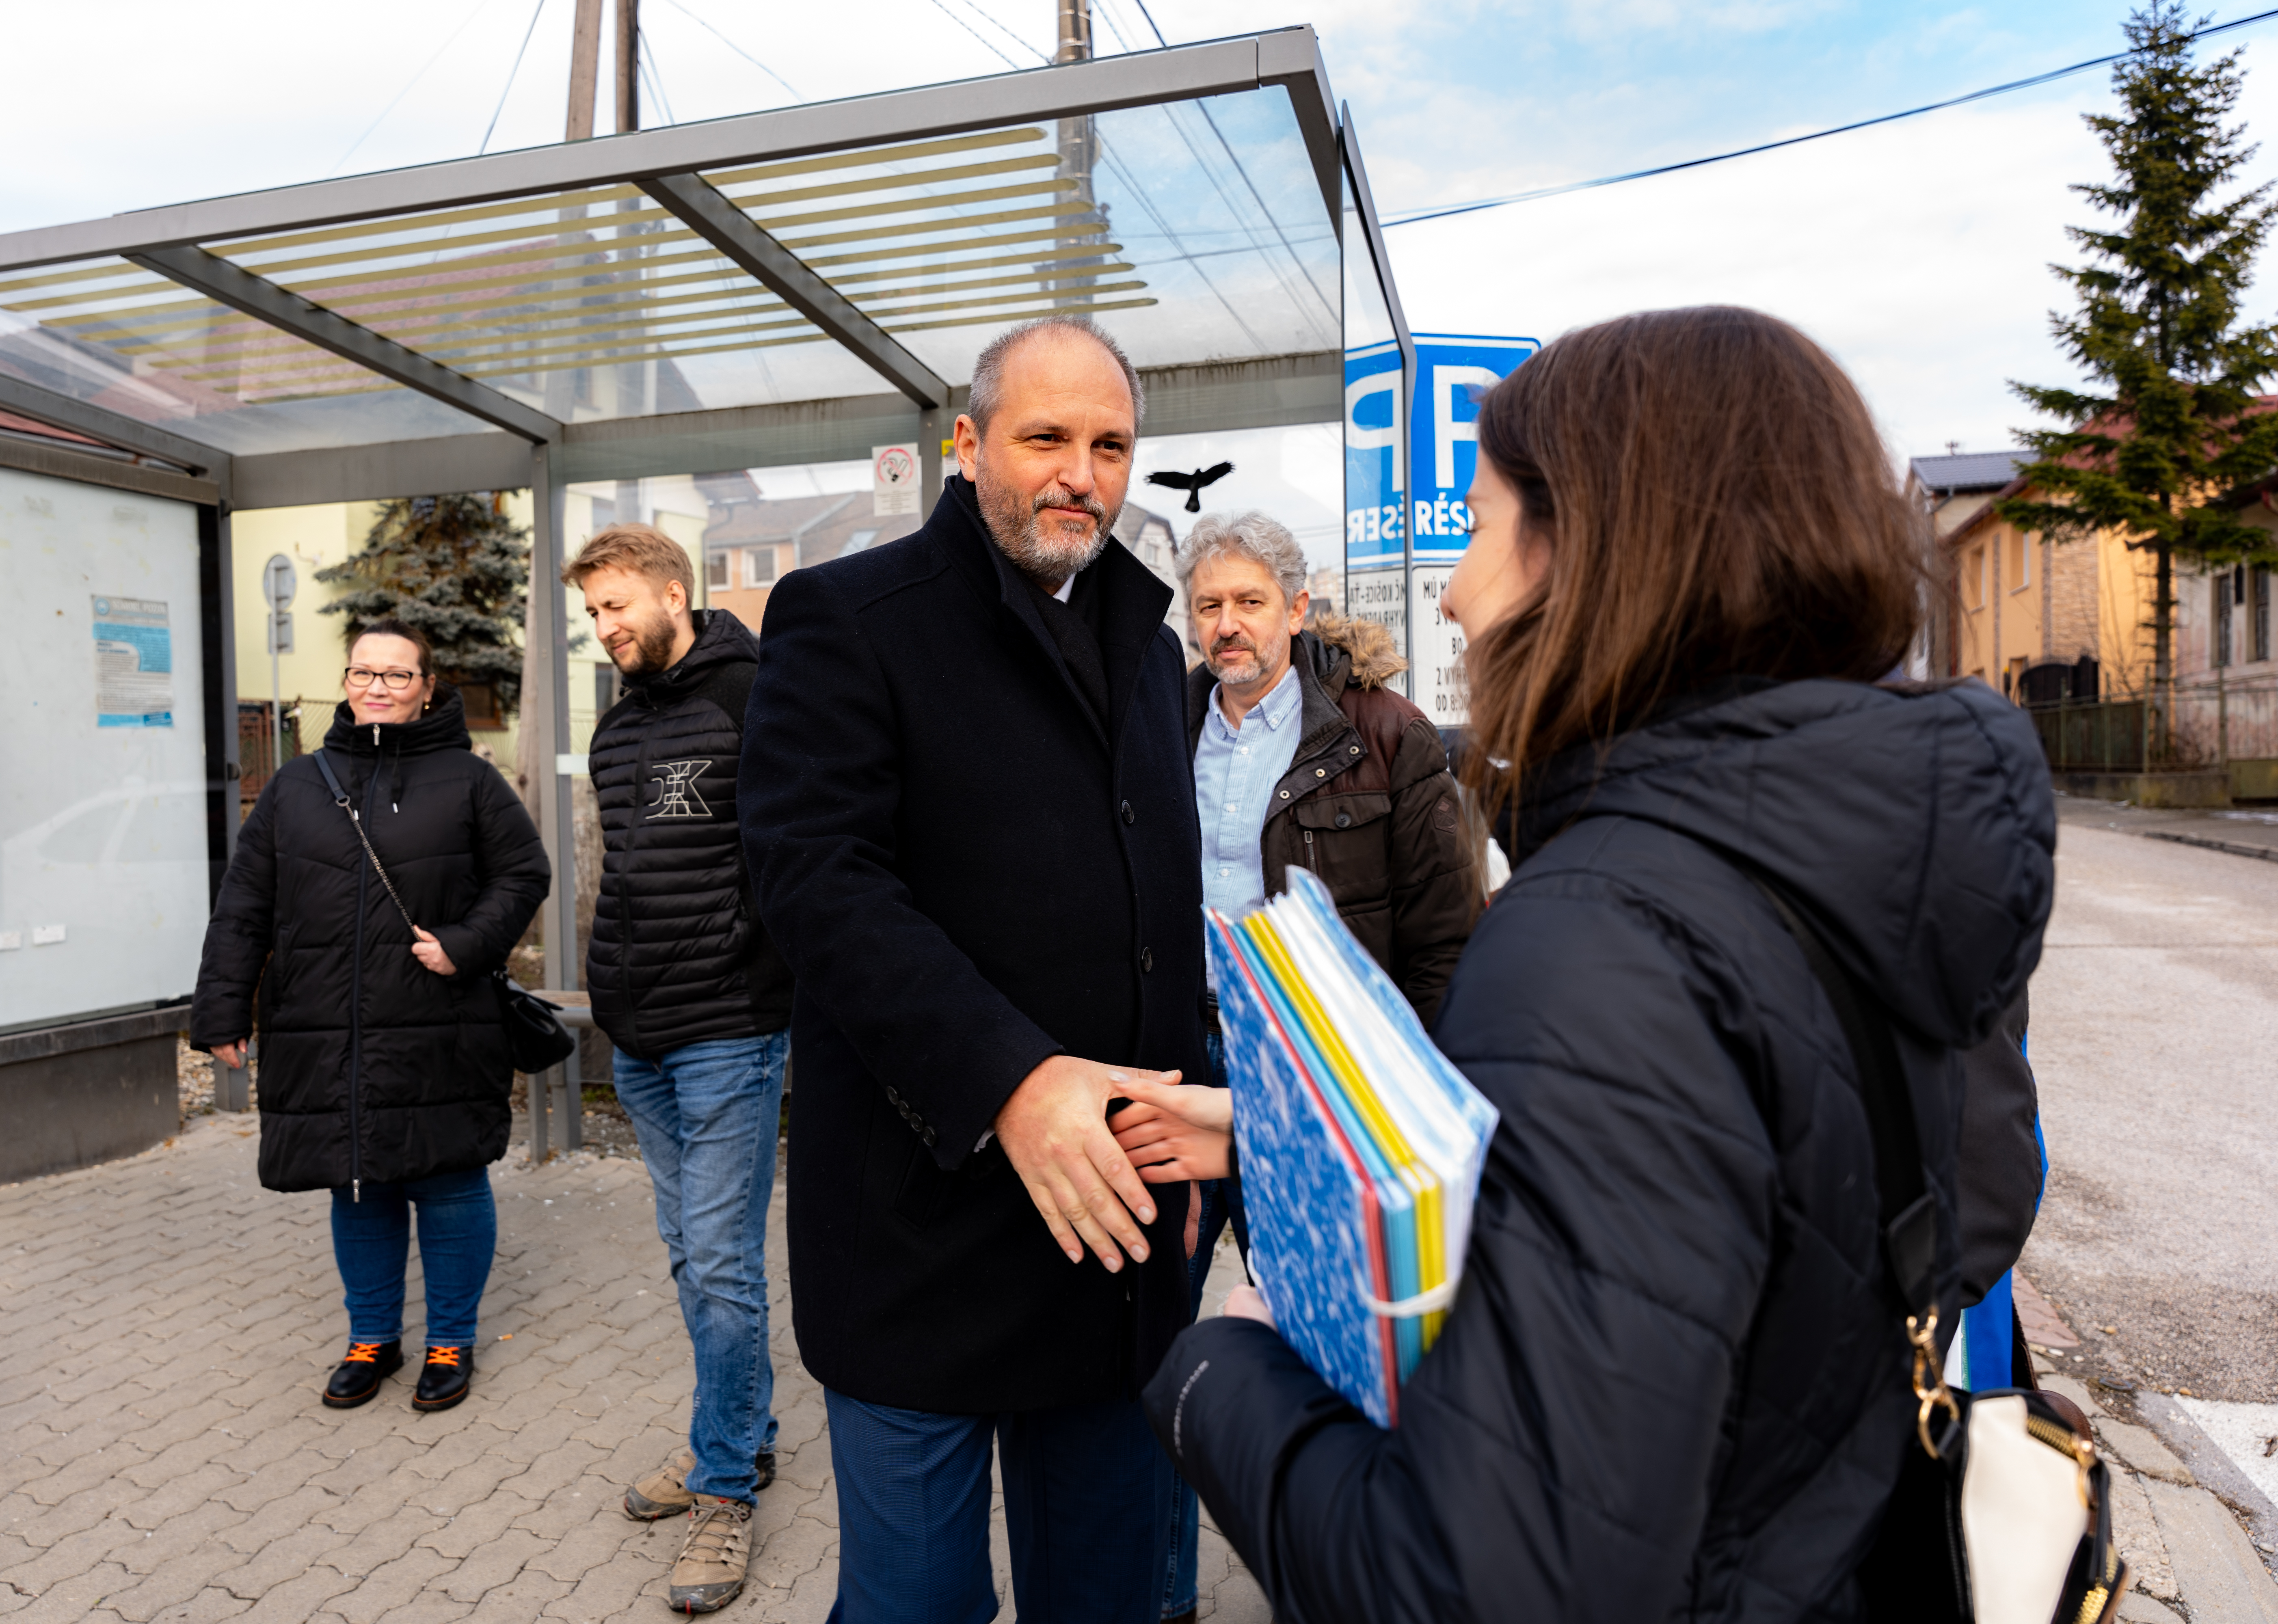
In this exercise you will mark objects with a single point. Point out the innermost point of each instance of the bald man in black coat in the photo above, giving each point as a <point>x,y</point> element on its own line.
<point>968,811</point>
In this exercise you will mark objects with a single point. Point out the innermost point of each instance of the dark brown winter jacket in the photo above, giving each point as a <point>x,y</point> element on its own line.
<point>1368,806</point>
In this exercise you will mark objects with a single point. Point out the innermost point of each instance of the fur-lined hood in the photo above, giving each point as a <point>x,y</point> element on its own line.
<point>1368,644</point>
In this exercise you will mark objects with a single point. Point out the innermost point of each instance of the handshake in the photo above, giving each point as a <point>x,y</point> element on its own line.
<point>1087,1173</point>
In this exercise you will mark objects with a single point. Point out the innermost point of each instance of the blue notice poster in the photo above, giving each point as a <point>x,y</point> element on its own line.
<point>133,663</point>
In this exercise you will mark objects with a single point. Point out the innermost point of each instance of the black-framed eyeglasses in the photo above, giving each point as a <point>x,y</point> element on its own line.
<point>365,676</point>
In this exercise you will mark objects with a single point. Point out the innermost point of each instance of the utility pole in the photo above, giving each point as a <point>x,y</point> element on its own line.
<point>1078,143</point>
<point>635,380</point>
<point>533,738</point>
<point>584,68</point>
<point>628,65</point>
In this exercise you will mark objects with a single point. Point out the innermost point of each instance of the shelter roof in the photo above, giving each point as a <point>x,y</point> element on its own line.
<point>621,292</point>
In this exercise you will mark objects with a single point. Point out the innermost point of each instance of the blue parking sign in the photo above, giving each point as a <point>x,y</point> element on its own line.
<point>1443,449</point>
<point>1375,486</point>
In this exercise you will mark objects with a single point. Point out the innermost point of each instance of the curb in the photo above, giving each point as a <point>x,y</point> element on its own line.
<point>2236,848</point>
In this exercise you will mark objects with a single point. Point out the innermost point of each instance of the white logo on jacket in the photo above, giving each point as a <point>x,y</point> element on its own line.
<point>680,798</point>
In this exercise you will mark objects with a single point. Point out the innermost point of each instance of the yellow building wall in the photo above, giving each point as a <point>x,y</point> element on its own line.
<point>1999,625</point>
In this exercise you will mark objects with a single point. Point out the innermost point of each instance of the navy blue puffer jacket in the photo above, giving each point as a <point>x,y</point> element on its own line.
<point>1673,1384</point>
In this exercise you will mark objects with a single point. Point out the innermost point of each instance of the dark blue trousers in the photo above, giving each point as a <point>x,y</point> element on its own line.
<point>1087,1507</point>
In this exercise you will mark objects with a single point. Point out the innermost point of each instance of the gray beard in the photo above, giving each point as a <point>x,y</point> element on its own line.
<point>1047,561</point>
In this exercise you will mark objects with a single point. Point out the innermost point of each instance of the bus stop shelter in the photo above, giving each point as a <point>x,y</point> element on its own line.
<point>789,287</point>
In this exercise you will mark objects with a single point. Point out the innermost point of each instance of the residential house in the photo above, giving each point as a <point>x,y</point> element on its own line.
<point>2015,599</point>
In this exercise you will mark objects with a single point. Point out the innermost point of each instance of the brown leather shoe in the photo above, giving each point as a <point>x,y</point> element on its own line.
<point>663,1493</point>
<point>714,1556</point>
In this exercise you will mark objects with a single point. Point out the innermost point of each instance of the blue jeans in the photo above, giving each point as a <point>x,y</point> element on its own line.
<point>707,1115</point>
<point>458,1235</point>
<point>1180,1587</point>
<point>1087,1507</point>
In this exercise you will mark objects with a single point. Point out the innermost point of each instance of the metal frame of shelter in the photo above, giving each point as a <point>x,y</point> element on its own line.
<point>362,353</point>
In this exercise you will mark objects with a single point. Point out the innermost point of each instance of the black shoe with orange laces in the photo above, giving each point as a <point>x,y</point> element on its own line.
<point>444,1379</point>
<point>358,1376</point>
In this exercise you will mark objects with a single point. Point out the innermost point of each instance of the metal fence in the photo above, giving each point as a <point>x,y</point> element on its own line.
<point>256,742</point>
<point>2109,737</point>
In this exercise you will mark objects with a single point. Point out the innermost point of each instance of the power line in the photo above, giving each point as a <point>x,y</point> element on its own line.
<point>1795,141</point>
<point>645,59</point>
<point>414,79</point>
<point>977,35</point>
<point>989,18</point>
<point>490,129</point>
<point>739,50</point>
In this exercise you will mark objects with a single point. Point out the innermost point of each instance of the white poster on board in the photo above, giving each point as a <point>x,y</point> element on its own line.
<point>103,806</point>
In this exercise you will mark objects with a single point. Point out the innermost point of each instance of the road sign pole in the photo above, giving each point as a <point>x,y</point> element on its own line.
<point>279,581</point>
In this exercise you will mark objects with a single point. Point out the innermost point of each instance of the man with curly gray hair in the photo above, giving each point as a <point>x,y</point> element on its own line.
<point>1303,756</point>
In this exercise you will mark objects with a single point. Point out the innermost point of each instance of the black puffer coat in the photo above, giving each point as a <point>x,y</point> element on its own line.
<point>1673,1385</point>
<point>373,1068</point>
<point>678,954</point>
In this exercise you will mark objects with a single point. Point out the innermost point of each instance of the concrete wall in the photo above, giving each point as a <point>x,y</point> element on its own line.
<point>90,1092</point>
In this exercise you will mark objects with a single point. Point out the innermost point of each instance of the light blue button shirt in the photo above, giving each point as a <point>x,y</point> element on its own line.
<point>1235,770</point>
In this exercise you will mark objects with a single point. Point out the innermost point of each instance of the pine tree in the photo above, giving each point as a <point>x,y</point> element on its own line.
<point>2158,327</point>
<point>457,568</point>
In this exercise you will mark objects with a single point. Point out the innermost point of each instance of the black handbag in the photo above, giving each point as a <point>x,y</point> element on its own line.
<point>2003,1513</point>
<point>535,1039</point>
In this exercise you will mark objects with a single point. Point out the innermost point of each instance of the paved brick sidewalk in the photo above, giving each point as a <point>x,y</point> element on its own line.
<point>166,1326</point>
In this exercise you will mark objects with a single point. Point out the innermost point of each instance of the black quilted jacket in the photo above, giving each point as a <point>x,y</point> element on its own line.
<point>678,956</point>
<point>373,1068</point>
<point>1672,1384</point>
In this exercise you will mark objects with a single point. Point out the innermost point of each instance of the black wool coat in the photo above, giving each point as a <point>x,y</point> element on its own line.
<point>968,875</point>
<point>374,1068</point>
<point>678,956</point>
<point>1673,1385</point>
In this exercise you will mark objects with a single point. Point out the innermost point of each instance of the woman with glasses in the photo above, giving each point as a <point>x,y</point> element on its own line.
<point>377,885</point>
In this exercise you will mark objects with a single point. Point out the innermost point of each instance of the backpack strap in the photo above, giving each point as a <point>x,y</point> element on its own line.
<point>1908,1214</point>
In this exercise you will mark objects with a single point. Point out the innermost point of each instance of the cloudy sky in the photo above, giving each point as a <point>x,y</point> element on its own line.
<point>1918,252</point>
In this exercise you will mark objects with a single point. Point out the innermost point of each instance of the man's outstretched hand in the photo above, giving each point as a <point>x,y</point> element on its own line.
<point>1054,1131</point>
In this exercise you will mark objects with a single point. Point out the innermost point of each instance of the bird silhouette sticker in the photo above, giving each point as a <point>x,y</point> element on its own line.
<point>1193,484</point>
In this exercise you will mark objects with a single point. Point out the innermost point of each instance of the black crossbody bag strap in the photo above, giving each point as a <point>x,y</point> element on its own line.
<point>536,1039</point>
<point>341,799</point>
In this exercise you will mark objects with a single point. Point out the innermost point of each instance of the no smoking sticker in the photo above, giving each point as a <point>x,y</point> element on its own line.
<point>893,480</point>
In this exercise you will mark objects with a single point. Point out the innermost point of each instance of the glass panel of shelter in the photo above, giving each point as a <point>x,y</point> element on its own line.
<point>1376,441</point>
<point>110,333</point>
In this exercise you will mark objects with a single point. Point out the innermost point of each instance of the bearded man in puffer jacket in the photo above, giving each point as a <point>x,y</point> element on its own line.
<point>689,989</point>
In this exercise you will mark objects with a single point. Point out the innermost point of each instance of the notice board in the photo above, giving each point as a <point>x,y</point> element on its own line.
<point>102,814</point>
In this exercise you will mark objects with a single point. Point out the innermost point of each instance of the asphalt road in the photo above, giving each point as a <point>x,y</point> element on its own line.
<point>2155,1042</point>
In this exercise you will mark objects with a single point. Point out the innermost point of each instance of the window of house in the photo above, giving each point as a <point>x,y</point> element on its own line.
<point>759,566</point>
<point>1973,579</point>
<point>715,571</point>
<point>2017,568</point>
<point>2220,654</point>
<point>2258,614</point>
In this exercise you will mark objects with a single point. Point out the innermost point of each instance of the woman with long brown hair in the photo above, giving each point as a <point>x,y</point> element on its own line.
<point>1672,1383</point>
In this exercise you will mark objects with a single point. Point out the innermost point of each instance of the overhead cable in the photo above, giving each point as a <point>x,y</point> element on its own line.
<point>1418,217</point>
<point>491,129</point>
<point>739,50</point>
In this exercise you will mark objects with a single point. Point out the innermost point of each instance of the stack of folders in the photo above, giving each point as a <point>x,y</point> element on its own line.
<point>1361,1146</point>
